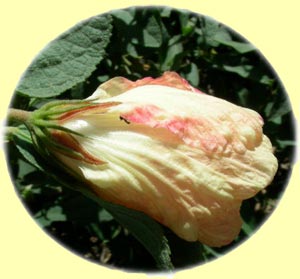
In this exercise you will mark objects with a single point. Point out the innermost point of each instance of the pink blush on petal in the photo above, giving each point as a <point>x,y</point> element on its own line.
<point>198,133</point>
<point>144,115</point>
<point>119,85</point>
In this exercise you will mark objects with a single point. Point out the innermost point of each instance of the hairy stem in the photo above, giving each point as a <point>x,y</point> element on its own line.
<point>18,115</point>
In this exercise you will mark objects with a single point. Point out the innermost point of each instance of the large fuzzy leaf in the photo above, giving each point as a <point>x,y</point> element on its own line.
<point>68,60</point>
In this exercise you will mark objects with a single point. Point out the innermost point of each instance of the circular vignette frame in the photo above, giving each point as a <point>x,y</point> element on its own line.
<point>147,60</point>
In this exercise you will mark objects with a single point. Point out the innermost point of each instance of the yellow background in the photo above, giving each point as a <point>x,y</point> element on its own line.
<point>27,26</point>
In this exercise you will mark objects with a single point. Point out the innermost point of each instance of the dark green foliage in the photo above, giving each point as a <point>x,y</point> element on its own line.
<point>136,43</point>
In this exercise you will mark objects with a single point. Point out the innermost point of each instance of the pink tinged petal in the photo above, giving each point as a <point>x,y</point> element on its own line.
<point>70,143</point>
<point>185,159</point>
<point>228,128</point>
<point>119,85</point>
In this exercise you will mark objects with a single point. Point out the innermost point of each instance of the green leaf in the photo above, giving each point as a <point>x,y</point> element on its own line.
<point>213,29</point>
<point>42,220</point>
<point>238,46</point>
<point>123,15</point>
<point>165,12</point>
<point>193,75</point>
<point>105,216</point>
<point>88,212</point>
<point>55,213</point>
<point>285,143</point>
<point>184,23</point>
<point>23,142</point>
<point>146,230</point>
<point>215,34</point>
<point>278,113</point>
<point>68,60</point>
<point>247,228</point>
<point>266,80</point>
<point>243,95</point>
<point>152,33</point>
<point>241,70</point>
<point>175,49</point>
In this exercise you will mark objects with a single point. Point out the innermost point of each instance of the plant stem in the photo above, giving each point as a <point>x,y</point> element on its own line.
<point>18,115</point>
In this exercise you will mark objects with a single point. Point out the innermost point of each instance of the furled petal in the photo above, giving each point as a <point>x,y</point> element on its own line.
<point>185,158</point>
<point>119,85</point>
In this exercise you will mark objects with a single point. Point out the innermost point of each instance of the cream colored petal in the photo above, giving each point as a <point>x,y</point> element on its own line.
<point>195,194</point>
<point>184,158</point>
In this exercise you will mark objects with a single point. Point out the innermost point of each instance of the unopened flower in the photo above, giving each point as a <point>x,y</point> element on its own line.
<point>160,146</point>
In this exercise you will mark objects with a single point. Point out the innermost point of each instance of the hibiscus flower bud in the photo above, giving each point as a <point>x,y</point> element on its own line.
<point>160,146</point>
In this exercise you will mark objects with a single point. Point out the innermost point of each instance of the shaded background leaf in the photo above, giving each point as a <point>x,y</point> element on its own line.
<point>152,33</point>
<point>68,60</point>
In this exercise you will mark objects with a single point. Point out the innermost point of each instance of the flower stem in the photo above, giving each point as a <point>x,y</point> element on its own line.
<point>18,115</point>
